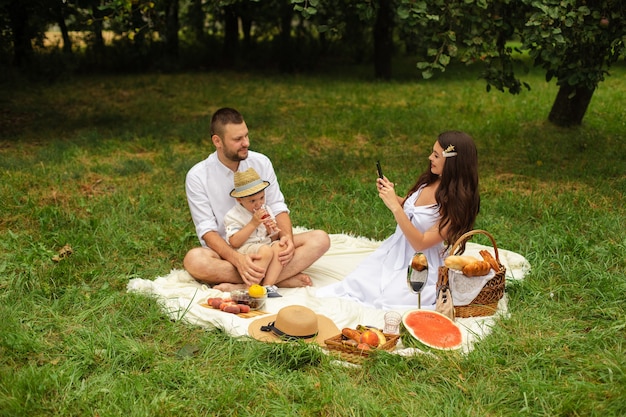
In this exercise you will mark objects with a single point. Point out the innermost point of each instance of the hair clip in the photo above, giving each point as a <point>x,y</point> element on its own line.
<point>449,151</point>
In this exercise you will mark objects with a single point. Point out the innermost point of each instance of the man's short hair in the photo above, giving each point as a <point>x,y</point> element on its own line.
<point>222,117</point>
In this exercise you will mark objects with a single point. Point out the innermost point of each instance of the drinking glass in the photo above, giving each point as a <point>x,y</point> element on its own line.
<point>392,322</point>
<point>269,216</point>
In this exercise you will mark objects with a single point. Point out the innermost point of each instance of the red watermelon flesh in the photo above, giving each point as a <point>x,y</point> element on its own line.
<point>433,329</point>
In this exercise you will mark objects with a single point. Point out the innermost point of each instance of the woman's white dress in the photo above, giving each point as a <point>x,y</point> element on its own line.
<point>379,281</point>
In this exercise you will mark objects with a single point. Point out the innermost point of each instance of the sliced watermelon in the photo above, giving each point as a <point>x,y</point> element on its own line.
<point>433,329</point>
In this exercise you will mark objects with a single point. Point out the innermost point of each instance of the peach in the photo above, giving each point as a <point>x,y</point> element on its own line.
<point>216,302</point>
<point>370,337</point>
<point>232,308</point>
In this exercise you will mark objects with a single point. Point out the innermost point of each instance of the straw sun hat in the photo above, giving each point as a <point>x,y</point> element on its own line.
<point>293,323</point>
<point>248,183</point>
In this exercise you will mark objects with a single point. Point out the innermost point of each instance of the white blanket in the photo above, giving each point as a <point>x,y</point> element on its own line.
<point>181,296</point>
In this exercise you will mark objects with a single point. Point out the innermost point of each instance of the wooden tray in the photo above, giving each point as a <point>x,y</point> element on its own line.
<point>252,313</point>
<point>352,353</point>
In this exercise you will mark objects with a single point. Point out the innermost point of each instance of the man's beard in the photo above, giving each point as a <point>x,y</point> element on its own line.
<point>234,156</point>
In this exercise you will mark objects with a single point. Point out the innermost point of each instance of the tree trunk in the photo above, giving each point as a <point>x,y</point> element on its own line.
<point>231,36</point>
<point>383,40</point>
<point>246,27</point>
<point>570,105</point>
<point>138,24</point>
<point>285,53</point>
<point>97,42</point>
<point>196,17</point>
<point>97,27</point>
<point>171,30</point>
<point>22,48</point>
<point>60,17</point>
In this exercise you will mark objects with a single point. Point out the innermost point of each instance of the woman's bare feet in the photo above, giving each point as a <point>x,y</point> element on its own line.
<point>228,287</point>
<point>296,281</point>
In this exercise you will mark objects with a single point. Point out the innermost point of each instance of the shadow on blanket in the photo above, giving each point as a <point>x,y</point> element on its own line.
<point>181,296</point>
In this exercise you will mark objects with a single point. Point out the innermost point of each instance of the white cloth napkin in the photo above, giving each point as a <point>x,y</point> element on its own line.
<point>465,289</point>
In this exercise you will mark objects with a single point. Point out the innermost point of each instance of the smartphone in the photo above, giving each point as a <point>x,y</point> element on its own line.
<point>380,171</point>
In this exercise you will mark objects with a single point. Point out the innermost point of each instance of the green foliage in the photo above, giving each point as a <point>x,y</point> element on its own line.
<point>574,41</point>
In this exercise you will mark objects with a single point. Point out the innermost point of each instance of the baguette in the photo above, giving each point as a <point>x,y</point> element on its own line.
<point>351,334</point>
<point>492,261</point>
<point>476,269</point>
<point>458,262</point>
<point>419,262</point>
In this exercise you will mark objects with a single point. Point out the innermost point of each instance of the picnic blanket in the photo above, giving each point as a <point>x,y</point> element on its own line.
<point>183,298</point>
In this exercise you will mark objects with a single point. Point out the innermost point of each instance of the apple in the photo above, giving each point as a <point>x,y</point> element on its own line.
<point>604,22</point>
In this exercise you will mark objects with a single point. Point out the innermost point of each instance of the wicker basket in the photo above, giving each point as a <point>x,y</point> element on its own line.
<point>486,302</point>
<point>354,354</point>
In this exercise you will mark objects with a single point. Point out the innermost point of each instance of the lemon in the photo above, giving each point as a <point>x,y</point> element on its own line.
<point>257,291</point>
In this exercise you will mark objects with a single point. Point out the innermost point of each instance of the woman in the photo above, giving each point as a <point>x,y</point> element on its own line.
<point>439,208</point>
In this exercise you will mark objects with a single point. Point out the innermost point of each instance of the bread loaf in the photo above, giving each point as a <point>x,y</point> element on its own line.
<point>476,269</point>
<point>492,261</point>
<point>458,262</point>
<point>419,262</point>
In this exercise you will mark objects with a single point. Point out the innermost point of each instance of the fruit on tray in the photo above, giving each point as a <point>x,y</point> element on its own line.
<point>365,338</point>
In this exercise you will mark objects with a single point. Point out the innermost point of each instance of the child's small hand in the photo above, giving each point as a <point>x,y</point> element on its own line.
<point>257,217</point>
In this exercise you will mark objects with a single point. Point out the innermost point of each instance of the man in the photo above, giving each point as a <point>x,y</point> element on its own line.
<point>208,186</point>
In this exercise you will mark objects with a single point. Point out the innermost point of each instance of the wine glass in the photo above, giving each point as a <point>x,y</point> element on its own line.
<point>417,275</point>
<point>269,216</point>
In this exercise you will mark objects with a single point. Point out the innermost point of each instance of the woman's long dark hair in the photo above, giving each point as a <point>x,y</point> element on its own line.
<point>457,196</point>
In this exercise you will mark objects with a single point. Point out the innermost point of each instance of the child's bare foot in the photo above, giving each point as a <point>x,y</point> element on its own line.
<point>228,287</point>
<point>296,281</point>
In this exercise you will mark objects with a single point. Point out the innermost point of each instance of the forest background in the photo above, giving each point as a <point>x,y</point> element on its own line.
<point>574,42</point>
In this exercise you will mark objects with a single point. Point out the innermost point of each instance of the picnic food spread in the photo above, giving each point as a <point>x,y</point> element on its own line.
<point>472,266</point>
<point>432,329</point>
<point>364,338</point>
<point>240,301</point>
<point>476,269</point>
<point>228,305</point>
<point>253,296</point>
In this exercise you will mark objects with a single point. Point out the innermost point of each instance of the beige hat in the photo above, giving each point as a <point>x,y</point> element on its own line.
<point>248,183</point>
<point>293,323</point>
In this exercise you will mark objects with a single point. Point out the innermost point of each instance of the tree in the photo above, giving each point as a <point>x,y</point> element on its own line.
<point>383,39</point>
<point>21,16</point>
<point>583,42</point>
<point>378,13</point>
<point>574,41</point>
<point>59,10</point>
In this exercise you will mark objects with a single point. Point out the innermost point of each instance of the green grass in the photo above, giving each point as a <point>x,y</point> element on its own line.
<point>99,163</point>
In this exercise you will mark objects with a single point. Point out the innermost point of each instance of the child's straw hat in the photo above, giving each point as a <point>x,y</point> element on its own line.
<point>248,183</point>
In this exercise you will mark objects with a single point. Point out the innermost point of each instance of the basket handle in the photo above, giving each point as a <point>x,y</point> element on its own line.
<point>470,234</point>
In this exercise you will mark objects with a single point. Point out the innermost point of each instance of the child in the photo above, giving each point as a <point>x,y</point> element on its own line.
<point>250,226</point>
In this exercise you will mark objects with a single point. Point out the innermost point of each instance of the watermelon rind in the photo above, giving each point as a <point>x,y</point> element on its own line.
<point>414,340</point>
